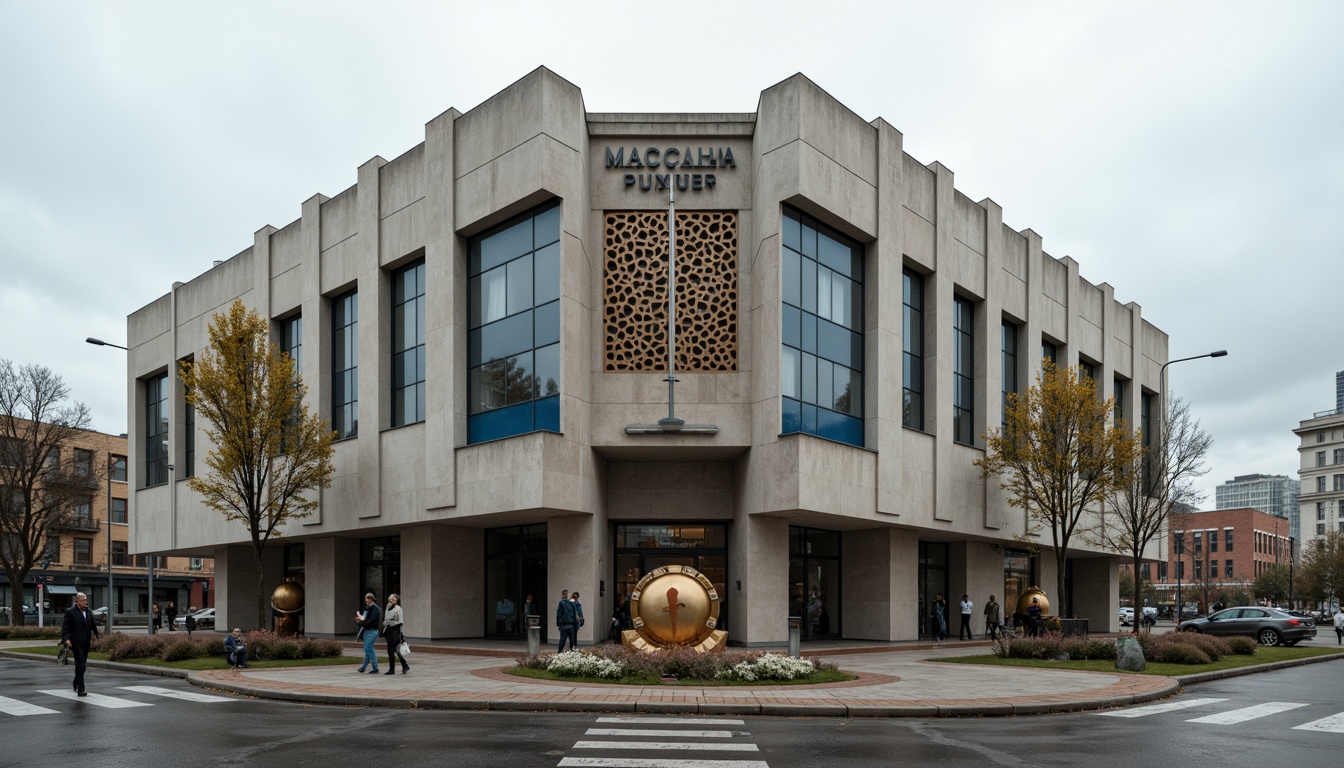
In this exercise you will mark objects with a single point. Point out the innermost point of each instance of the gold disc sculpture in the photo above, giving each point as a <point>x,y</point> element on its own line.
<point>287,600</point>
<point>675,606</point>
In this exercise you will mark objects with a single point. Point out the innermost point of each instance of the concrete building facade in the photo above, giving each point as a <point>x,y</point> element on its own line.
<point>1321,453</point>
<point>483,319</point>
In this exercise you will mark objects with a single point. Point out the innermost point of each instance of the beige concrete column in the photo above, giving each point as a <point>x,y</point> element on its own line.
<point>883,299</point>
<point>759,557</point>
<point>236,584</point>
<point>331,586</point>
<point>443,581</point>
<point>1096,592</point>
<point>575,561</point>
<point>938,293</point>
<point>878,568</point>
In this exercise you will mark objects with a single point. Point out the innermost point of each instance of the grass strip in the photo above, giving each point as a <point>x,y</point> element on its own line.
<point>1231,661</point>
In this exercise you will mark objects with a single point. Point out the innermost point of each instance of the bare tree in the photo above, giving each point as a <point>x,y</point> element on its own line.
<point>1155,486</point>
<point>39,487</point>
<point>1058,456</point>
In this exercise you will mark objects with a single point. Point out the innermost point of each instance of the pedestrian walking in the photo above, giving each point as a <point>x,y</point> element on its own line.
<point>155,618</point>
<point>967,608</point>
<point>993,617</point>
<point>578,610</point>
<point>392,623</point>
<point>566,622</point>
<point>1339,626</point>
<point>77,633</point>
<point>367,620</point>
<point>190,621</point>
<point>938,619</point>
<point>1034,618</point>
<point>171,612</point>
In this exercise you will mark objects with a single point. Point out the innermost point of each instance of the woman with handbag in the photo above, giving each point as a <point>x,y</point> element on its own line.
<point>392,619</point>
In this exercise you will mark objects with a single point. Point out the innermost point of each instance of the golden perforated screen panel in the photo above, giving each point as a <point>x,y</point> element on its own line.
<point>634,312</point>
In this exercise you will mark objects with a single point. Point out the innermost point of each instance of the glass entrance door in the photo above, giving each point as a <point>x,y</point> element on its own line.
<point>515,569</point>
<point>814,581</point>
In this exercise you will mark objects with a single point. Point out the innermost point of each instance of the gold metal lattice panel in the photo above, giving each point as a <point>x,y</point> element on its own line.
<point>634,312</point>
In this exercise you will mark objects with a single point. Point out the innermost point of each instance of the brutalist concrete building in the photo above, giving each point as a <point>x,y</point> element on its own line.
<point>484,320</point>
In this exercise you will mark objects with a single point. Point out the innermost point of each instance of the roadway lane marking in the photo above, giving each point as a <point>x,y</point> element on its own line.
<point>1331,724</point>
<point>662,732</point>
<point>1248,713</point>
<point>688,745</point>
<point>672,720</point>
<point>22,709</point>
<point>96,699</point>
<point>1156,709</point>
<point>169,693</point>
<point>641,762</point>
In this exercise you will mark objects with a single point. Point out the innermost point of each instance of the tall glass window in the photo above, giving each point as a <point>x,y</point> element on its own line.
<point>345,365</point>
<point>1008,333</point>
<point>1119,400</point>
<point>814,580</point>
<point>408,345</point>
<point>188,439</point>
<point>291,340</point>
<point>156,430</point>
<point>822,331</point>
<point>513,346</point>
<point>1146,418</point>
<point>1049,351</point>
<point>963,371</point>
<point>118,510</point>
<point>913,350</point>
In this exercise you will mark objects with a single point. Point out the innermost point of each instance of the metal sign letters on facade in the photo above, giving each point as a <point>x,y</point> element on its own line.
<point>673,159</point>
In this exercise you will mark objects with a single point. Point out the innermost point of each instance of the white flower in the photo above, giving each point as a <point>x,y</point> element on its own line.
<point>580,664</point>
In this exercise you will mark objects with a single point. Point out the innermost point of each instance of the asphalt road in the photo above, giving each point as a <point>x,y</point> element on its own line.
<point>158,730</point>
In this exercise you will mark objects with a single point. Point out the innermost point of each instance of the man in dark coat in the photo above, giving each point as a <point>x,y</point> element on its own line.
<point>172,615</point>
<point>77,633</point>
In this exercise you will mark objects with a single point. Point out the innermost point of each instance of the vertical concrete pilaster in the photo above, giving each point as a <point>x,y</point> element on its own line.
<point>331,585</point>
<point>443,581</point>
<point>938,294</point>
<point>374,354</point>
<point>883,284</point>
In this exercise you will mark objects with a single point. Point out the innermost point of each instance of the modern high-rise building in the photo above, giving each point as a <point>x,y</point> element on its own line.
<point>484,320</point>
<point>1273,494</point>
<point>1339,390</point>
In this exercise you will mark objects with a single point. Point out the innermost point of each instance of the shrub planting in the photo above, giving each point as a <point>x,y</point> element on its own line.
<point>1241,645</point>
<point>260,645</point>
<point>30,633</point>
<point>613,662</point>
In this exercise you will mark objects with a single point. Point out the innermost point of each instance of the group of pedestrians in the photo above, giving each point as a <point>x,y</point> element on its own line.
<point>568,619</point>
<point>391,620</point>
<point>993,614</point>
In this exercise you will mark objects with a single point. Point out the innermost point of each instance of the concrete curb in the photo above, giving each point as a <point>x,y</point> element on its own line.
<point>837,709</point>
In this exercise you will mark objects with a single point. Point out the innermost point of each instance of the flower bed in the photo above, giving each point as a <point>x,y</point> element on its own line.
<point>614,662</point>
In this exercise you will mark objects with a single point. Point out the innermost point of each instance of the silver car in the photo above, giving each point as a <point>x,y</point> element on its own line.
<point>1269,626</point>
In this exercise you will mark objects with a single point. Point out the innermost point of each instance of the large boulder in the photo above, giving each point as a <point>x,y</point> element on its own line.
<point>1129,655</point>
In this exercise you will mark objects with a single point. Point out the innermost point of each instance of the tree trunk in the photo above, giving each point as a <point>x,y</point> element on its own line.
<point>1061,563</point>
<point>16,617</point>
<point>262,624</point>
<point>1138,595</point>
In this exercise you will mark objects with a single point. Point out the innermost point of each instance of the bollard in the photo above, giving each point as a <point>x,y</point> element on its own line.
<point>795,635</point>
<point>533,636</point>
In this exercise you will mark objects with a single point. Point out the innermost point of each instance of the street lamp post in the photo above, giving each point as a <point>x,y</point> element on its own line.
<point>111,588</point>
<point>1162,420</point>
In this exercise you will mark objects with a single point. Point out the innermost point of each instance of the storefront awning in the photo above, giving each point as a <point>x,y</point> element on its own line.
<point>58,589</point>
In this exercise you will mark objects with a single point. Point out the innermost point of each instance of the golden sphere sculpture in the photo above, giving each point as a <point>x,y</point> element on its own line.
<point>288,597</point>
<point>1024,602</point>
<point>675,606</point>
<point>287,600</point>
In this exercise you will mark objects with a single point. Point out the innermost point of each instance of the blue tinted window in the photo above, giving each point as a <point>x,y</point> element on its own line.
<point>408,344</point>
<point>345,365</point>
<point>821,376</point>
<point>513,354</point>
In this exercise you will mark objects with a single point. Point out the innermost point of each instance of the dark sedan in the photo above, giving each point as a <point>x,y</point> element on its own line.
<point>1269,626</point>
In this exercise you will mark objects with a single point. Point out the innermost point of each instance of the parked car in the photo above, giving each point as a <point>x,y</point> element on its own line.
<point>205,619</point>
<point>1127,615</point>
<point>1269,626</point>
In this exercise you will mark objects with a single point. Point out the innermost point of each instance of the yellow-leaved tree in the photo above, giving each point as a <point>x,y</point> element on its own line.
<point>268,453</point>
<point>1058,456</point>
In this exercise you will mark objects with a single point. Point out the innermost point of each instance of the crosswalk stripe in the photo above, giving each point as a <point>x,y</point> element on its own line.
<point>1155,709</point>
<point>1331,724</point>
<point>662,732</point>
<point>96,699</point>
<point>22,708</point>
<point>629,762</point>
<point>689,720</point>
<point>1247,713</point>
<point>679,745</point>
<point>169,693</point>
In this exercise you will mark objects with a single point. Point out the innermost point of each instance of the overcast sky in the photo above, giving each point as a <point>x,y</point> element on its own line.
<point>1190,154</point>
